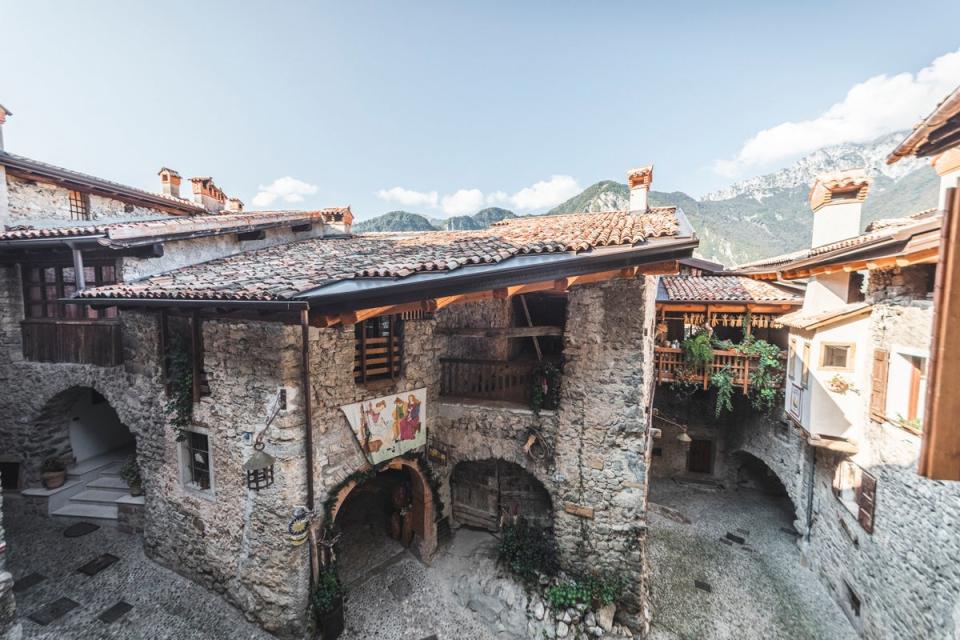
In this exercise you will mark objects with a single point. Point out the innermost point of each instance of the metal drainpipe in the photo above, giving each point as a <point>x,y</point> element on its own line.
<point>810,486</point>
<point>307,400</point>
<point>78,268</point>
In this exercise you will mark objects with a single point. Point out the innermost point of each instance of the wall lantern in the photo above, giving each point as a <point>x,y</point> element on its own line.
<point>684,439</point>
<point>259,468</point>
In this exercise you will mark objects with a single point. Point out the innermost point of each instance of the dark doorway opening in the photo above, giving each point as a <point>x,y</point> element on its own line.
<point>10,475</point>
<point>700,457</point>
<point>485,491</point>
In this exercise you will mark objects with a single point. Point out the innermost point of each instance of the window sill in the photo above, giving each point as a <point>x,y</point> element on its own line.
<point>379,385</point>
<point>196,491</point>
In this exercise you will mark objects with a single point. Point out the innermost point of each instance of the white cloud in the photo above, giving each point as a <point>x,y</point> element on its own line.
<point>463,202</point>
<point>409,198</point>
<point>286,189</point>
<point>881,104</point>
<point>541,195</point>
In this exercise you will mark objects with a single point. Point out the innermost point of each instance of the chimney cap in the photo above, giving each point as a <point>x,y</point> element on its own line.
<point>854,182</point>
<point>168,171</point>
<point>640,176</point>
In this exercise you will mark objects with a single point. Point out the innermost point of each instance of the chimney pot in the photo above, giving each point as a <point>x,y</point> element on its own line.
<point>836,200</point>
<point>208,194</point>
<point>234,205</point>
<point>639,181</point>
<point>169,182</point>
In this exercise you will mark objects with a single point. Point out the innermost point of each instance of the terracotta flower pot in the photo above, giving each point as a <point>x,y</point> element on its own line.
<point>54,479</point>
<point>136,489</point>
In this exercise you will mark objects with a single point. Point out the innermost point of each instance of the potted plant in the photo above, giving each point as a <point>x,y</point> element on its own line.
<point>327,600</point>
<point>54,473</point>
<point>130,472</point>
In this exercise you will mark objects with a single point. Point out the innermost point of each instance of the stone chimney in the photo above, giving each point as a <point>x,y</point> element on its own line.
<point>947,166</point>
<point>170,182</point>
<point>4,112</point>
<point>836,199</point>
<point>639,180</point>
<point>207,194</point>
<point>234,205</point>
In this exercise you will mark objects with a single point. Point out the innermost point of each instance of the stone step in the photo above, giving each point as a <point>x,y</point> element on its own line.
<point>88,510</point>
<point>108,482</point>
<point>113,459</point>
<point>46,493</point>
<point>99,496</point>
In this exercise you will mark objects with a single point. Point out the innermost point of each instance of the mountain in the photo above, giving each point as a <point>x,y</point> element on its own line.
<point>395,221</point>
<point>769,214</point>
<point>461,223</point>
<point>486,217</point>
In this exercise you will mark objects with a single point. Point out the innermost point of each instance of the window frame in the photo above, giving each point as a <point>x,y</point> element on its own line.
<point>851,348</point>
<point>394,351</point>
<point>35,277</point>
<point>186,463</point>
<point>79,205</point>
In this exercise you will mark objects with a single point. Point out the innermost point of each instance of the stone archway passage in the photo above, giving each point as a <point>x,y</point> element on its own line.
<point>485,490</point>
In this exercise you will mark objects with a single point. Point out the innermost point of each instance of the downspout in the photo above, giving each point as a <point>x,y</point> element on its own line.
<point>813,473</point>
<point>307,400</point>
<point>78,267</point>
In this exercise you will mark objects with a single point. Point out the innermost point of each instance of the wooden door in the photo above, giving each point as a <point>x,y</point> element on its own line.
<point>522,495</point>
<point>700,458</point>
<point>476,495</point>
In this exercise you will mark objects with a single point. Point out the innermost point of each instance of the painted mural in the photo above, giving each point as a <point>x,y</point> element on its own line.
<point>389,426</point>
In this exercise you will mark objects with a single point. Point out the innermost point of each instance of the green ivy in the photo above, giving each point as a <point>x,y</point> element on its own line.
<point>544,387</point>
<point>698,349</point>
<point>328,591</point>
<point>765,380</point>
<point>722,381</point>
<point>180,401</point>
<point>594,591</point>
<point>528,551</point>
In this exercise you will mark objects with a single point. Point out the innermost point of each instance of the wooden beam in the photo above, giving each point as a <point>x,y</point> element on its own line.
<point>665,268</point>
<point>501,332</point>
<point>463,297</point>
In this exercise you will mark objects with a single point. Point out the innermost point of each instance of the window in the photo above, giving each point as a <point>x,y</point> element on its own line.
<point>379,348</point>
<point>43,285</point>
<point>197,469</point>
<point>904,389</point>
<point>805,363</point>
<point>792,360</point>
<point>79,206</point>
<point>836,356</point>
<point>857,491</point>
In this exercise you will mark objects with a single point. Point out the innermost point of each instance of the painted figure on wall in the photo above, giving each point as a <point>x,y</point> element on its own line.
<point>384,434</point>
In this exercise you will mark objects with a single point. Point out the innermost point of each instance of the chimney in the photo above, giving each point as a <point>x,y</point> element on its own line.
<point>234,205</point>
<point>639,181</point>
<point>4,112</point>
<point>947,166</point>
<point>170,182</point>
<point>207,194</point>
<point>836,199</point>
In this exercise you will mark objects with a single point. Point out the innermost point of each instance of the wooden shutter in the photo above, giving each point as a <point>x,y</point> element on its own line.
<point>866,500</point>
<point>878,384</point>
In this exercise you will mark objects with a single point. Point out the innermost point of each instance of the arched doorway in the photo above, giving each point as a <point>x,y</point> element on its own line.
<point>753,473</point>
<point>382,516</point>
<point>486,490</point>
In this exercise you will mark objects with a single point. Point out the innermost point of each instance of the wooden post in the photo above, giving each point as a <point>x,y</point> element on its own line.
<point>526,312</point>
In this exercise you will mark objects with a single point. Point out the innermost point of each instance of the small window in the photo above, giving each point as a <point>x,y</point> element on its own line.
<point>197,469</point>
<point>79,206</point>
<point>379,348</point>
<point>805,364</point>
<point>792,360</point>
<point>857,491</point>
<point>44,285</point>
<point>836,356</point>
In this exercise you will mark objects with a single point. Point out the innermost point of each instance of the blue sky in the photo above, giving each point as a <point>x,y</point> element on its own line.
<point>441,107</point>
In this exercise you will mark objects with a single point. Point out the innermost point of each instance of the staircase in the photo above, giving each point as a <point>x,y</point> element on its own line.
<point>92,489</point>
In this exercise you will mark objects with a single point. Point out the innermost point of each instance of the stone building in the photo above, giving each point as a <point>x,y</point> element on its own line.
<point>856,378</point>
<point>248,359</point>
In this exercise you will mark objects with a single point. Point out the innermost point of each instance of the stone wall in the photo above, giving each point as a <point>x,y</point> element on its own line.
<point>603,430</point>
<point>907,572</point>
<point>9,627</point>
<point>31,201</point>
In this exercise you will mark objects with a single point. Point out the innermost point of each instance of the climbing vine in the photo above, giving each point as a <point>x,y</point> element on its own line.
<point>180,387</point>
<point>544,387</point>
<point>722,381</point>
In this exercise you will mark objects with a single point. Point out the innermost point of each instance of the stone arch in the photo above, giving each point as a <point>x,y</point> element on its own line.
<point>424,520</point>
<point>750,470</point>
<point>76,422</point>
<point>485,491</point>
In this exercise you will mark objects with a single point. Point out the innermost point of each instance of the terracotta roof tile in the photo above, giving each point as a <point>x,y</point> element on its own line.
<point>725,289</point>
<point>282,272</point>
<point>802,320</point>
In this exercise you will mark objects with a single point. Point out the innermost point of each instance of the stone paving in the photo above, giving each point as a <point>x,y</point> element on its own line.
<point>164,604</point>
<point>703,587</point>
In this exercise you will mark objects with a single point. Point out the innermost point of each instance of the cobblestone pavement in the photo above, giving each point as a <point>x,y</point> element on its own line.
<point>757,590</point>
<point>165,605</point>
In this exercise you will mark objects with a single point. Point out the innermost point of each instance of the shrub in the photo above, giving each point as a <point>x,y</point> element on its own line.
<point>545,387</point>
<point>698,349</point>
<point>130,472</point>
<point>328,592</point>
<point>527,550</point>
<point>590,590</point>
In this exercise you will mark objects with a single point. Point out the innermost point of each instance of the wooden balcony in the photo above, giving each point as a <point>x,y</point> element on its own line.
<point>496,380</point>
<point>79,341</point>
<point>670,366</point>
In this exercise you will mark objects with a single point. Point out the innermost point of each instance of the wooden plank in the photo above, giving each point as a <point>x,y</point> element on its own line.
<point>940,448</point>
<point>501,332</point>
<point>578,510</point>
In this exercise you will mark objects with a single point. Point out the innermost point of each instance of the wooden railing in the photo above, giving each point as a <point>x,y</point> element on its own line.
<point>79,341</point>
<point>486,379</point>
<point>670,366</point>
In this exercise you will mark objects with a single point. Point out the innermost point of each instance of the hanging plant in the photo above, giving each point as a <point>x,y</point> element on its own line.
<point>544,387</point>
<point>698,349</point>
<point>180,385</point>
<point>766,378</point>
<point>722,381</point>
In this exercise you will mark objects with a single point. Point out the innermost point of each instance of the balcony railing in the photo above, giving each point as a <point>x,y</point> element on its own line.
<point>505,380</point>
<point>79,341</point>
<point>671,366</point>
